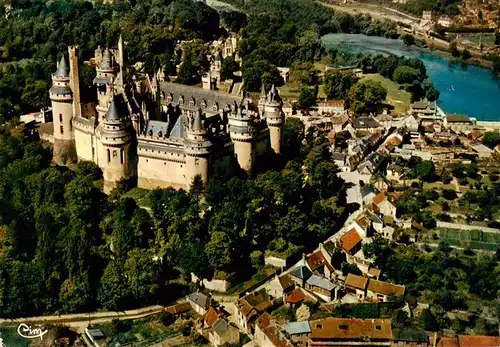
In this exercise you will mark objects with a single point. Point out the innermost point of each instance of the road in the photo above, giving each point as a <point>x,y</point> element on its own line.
<point>80,321</point>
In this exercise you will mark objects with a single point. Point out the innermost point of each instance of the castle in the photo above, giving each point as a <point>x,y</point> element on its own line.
<point>161,133</point>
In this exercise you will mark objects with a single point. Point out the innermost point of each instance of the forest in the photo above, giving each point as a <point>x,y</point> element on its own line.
<point>67,247</point>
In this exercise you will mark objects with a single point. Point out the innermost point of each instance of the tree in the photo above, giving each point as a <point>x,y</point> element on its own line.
<point>431,93</point>
<point>219,250</point>
<point>408,39</point>
<point>228,68</point>
<point>307,97</point>
<point>405,74</point>
<point>366,95</point>
<point>338,83</point>
<point>142,274</point>
<point>426,171</point>
<point>491,139</point>
<point>114,293</point>
<point>197,186</point>
<point>428,321</point>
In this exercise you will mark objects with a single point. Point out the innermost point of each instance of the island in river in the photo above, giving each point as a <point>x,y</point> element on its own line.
<point>465,89</point>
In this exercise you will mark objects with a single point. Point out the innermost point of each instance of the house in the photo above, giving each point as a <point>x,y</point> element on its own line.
<point>368,124</point>
<point>363,226</point>
<point>368,192</point>
<point>394,140</point>
<point>340,160</point>
<point>385,120</point>
<point>350,242</point>
<point>395,172</point>
<point>331,106</point>
<point>445,21</point>
<point>295,297</point>
<point>384,206</point>
<point>380,182</point>
<point>199,302</point>
<point>178,309</point>
<point>224,333</point>
<point>423,108</point>
<point>298,332</point>
<point>374,272</point>
<point>280,285</point>
<point>382,290</point>
<point>458,122</point>
<point>268,334</point>
<point>300,275</point>
<point>350,332</point>
<point>317,263</point>
<point>321,288</point>
<point>377,223</point>
<point>411,122</point>
<point>469,341</point>
<point>482,151</point>
<point>249,307</point>
<point>356,285</point>
<point>339,122</point>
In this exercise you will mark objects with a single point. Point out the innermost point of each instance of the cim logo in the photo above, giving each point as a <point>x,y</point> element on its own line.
<point>28,332</point>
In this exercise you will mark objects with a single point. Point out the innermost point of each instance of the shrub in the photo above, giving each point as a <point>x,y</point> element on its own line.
<point>449,194</point>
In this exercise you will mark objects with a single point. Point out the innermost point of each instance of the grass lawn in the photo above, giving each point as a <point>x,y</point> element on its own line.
<point>438,185</point>
<point>139,195</point>
<point>395,97</point>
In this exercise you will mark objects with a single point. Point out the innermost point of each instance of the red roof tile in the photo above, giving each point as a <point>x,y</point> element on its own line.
<point>350,240</point>
<point>349,329</point>
<point>355,281</point>
<point>296,296</point>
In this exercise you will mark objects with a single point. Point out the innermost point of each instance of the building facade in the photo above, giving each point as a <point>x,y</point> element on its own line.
<point>163,134</point>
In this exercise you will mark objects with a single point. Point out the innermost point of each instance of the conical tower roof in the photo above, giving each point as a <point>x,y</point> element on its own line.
<point>112,111</point>
<point>106,59</point>
<point>263,91</point>
<point>62,68</point>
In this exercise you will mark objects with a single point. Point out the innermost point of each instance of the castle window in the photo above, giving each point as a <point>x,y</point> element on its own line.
<point>62,129</point>
<point>115,153</point>
<point>121,155</point>
<point>109,156</point>
<point>191,102</point>
<point>60,117</point>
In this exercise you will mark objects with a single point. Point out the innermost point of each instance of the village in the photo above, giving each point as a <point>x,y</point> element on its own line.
<point>412,178</point>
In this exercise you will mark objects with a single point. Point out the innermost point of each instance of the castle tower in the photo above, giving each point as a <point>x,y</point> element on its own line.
<point>262,100</point>
<point>61,97</point>
<point>117,145</point>
<point>242,134</point>
<point>106,72</point>
<point>197,148</point>
<point>274,118</point>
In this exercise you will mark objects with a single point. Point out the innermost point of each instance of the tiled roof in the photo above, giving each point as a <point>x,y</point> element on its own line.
<point>365,123</point>
<point>350,240</point>
<point>459,118</point>
<point>179,308</point>
<point>351,329</point>
<point>377,200</point>
<point>254,302</point>
<point>363,222</point>
<point>478,341</point>
<point>211,317</point>
<point>385,288</point>
<point>316,260</point>
<point>272,332</point>
<point>332,103</point>
<point>374,272</point>
<point>286,282</point>
<point>355,281</point>
<point>296,296</point>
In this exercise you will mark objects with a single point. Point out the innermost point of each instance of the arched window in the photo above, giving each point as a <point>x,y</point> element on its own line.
<point>109,156</point>
<point>122,154</point>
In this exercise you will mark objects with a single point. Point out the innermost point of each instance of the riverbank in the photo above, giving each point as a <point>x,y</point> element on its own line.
<point>434,44</point>
<point>465,89</point>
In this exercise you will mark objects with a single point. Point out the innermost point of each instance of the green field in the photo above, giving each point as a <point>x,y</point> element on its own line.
<point>400,99</point>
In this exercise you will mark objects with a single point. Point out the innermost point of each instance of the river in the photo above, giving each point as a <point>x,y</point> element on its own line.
<point>465,88</point>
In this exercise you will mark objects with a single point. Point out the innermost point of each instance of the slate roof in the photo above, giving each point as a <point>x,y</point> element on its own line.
<point>367,189</point>
<point>365,123</point>
<point>320,282</point>
<point>457,118</point>
<point>294,328</point>
<point>302,272</point>
<point>113,111</point>
<point>199,299</point>
<point>62,68</point>
<point>338,156</point>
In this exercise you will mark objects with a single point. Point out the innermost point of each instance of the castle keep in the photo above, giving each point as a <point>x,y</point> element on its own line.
<point>162,133</point>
